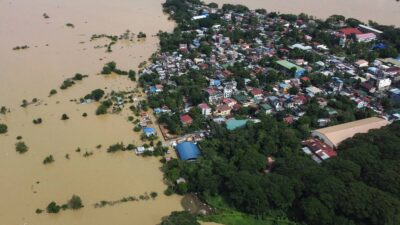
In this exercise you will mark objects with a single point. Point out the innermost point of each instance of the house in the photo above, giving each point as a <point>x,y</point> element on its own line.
<point>312,91</point>
<point>233,124</point>
<point>349,31</point>
<point>276,103</point>
<point>394,95</point>
<point>266,108</point>
<point>229,102</point>
<point>186,119</point>
<point>149,131</point>
<point>205,109</point>
<point>222,110</point>
<point>361,63</point>
<point>318,150</point>
<point>334,135</point>
<point>257,93</point>
<point>284,87</point>
<point>368,37</point>
<point>214,95</point>
<point>289,67</point>
<point>156,89</point>
<point>188,151</point>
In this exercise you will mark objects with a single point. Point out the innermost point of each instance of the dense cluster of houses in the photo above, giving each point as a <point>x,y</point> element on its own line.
<point>361,81</point>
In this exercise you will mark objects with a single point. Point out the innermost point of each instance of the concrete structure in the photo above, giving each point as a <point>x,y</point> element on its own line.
<point>188,151</point>
<point>205,109</point>
<point>289,66</point>
<point>334,135</point>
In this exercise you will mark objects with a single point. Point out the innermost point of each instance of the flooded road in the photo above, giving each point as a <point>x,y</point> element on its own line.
<point>57,52</point>
<point>382,11</point>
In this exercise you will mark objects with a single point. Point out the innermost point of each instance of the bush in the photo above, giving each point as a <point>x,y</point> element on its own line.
<point>21,147</point>
<point>84,114</point>
<point>3,128</point>
<point>37,121</point>
<point>39,211</point>
<point>153,195</point>
<point>48,159</point>
<point>64,117</point>
<point>53,92</point>
<point>75,203</point>
<point>53,208</point>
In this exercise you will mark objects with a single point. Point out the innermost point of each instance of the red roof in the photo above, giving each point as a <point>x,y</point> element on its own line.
<point>186,119</point>
<point>319,148</point>
<point>256,91</point>
<point>223,108</point>
<point>304,78</point>
<point>203,106</point>
<point>349,31</point>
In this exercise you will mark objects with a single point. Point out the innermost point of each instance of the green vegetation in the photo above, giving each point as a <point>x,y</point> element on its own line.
<point>49,159</point>
<point>96,95</point>
<point>3,128</point>
<point>233,166</point>
<point>23,47</point>
<point>180,218</point>
<point>53,208</point>
<point>84,115</point>
<point>21,147</point>
<point>141,35</point>
<point>64,117</point>
<point>70,25</point>
<point>103,107</point>
<point>225,214</point>
<point>71,81</point>
<point>111,67</point>
<point>116,147</point>
<point>37,121</point>
<point>145,196</point>
<point>4,110</point>
<point>75,203</point>
<point>53,92</point>
<point>39,211</point>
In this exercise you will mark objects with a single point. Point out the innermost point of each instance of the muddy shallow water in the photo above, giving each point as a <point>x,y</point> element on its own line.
<point>382,11</point>
<point>58,52</point>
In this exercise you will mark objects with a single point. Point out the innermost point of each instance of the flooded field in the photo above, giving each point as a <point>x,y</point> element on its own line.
<point>57,52</point>
<point>381,11</point>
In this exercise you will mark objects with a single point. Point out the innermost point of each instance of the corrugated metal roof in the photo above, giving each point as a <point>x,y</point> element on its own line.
<point>188,151</point>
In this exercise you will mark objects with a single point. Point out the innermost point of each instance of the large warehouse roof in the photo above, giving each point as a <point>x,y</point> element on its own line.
<point>334,135</point>
<point>188,151</point>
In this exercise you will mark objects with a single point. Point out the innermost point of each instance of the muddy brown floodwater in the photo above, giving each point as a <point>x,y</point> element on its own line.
<point>382,11</point>
<point>57,52</point>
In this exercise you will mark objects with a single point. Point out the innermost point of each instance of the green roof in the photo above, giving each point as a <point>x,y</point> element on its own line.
<point>233,124</point>
<point>266,106</point>
<point>288,65</point>
<point>240,98</point>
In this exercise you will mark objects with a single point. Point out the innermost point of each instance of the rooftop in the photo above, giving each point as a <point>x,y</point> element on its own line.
<point>334,135</point>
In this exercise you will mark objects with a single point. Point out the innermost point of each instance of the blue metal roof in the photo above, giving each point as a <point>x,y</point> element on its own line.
<point>188,151</point>
<point>149,131</point>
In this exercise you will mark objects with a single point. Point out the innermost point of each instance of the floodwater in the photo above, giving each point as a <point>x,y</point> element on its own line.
<point>58,52</point>
<point>382,11</point>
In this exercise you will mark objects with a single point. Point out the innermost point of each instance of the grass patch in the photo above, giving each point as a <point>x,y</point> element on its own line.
<point>227,215</point>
